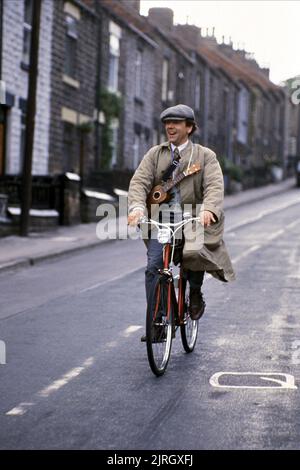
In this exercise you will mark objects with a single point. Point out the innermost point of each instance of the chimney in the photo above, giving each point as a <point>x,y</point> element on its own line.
<point>226,48</point>
<point>209,40</point>
<point>162,17</point>
<point>190,33</point>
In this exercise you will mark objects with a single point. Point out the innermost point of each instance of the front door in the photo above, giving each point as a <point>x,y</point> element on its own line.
<point>2,140</point>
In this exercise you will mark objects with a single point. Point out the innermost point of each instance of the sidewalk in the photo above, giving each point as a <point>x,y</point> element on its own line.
<point>18,251</point>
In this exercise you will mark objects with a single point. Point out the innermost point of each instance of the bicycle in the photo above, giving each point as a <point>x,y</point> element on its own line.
<point>168,310</point>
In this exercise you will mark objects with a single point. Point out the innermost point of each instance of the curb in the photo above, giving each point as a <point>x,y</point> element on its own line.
<point>20,263</point>
<point>31,261</point>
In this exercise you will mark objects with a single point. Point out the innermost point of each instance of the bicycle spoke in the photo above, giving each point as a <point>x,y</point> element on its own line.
<point>159,330</point>
<point>189,330</point>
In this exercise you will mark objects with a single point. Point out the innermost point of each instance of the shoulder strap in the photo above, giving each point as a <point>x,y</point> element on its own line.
<point>175,161</point>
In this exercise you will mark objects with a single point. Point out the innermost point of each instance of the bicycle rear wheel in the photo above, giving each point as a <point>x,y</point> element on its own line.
<point>189,329</point>
<point>159,325</point>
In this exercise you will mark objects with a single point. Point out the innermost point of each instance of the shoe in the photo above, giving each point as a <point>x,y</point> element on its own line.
<point>197,304</point>
<point>159,335</point>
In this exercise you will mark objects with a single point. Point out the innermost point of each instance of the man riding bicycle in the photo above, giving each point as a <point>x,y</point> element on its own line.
<point>203,189</point>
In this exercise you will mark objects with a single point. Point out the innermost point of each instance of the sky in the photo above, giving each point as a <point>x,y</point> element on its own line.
<point>269,29</point>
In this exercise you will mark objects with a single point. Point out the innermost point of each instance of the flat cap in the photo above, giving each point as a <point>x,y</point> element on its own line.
<point>180,112</point>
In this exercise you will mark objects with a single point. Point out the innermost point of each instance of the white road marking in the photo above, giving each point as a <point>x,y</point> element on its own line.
<point>261,215</point>
<point>219,342</point>
<point>294,259</point>
<point>2,352</point>
<point>116,278</point>
<point>276,234</point>
<point>111,344</point>
<point>258,246</point>
<point>246,253</point>
<point>230,230</point>
<point>271,237</point>
<point>66,378</point>
<point>131,329</point>
<point>289,383</point>
<point>22,408</point>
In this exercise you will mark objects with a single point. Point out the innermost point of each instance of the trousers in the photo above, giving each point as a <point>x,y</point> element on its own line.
<point>155,262</point>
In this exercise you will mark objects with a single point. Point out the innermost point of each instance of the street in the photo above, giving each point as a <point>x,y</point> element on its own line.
<point>76,374</point>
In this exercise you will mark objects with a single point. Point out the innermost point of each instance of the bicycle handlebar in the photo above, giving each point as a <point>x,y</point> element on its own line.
<point>146,220</point>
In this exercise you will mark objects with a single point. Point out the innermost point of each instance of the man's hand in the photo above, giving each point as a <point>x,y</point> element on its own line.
<point>207,218</point>
<point>134,217</point>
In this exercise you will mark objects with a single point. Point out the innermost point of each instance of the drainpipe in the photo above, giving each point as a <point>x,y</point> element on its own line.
<point>98,87</point>
<point>1,35</point>
<point>30,119</point>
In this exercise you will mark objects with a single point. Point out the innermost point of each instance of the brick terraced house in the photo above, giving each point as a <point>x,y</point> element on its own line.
<point>105,74</point>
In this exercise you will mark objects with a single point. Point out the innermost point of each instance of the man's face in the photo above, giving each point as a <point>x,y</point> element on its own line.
<point>177,131</point>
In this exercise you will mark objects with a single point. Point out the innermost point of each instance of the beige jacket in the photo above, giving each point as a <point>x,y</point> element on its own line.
<point>205,187</point>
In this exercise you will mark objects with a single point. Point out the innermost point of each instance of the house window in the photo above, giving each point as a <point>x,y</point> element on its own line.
<point>70,160</point>
<point>27,28</point>
<point>71,46</point>
<point>259,113</point>
<point>243,108</point>
<point>198,92</point>
<point>277,121</point>
<point>212,99</point>
<point>114,55</point>
<point>165,80</point>
<point>114,142</point>
<point>266,128</point>
<point>225,103</point>
<point>138,74</point>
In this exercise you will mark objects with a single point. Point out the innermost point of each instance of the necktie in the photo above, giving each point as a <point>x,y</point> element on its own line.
<point>169,171</point>
<point>176,154</point>
<point>176,158</point>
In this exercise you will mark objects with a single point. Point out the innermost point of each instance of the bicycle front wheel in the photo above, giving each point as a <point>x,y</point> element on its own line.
<point>189,329</point>
<point>159,325</point>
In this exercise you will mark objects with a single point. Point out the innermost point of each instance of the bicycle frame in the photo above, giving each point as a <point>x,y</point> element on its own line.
<point>167,270</point>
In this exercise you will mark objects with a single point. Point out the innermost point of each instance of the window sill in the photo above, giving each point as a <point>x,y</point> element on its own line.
<point>71,81</point>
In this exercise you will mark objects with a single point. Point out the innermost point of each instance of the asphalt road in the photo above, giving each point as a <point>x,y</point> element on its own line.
<point>77,375</point>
